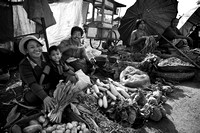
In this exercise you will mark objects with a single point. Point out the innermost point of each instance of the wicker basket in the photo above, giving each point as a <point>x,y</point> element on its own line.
<point>181,76</point>
<point>176,69</point>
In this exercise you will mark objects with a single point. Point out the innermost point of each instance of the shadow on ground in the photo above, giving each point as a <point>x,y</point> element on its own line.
<point>163,126</point>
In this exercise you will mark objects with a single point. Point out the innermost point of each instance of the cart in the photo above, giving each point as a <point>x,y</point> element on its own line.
<point>100,27</point>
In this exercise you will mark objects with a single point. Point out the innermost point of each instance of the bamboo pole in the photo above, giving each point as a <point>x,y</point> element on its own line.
<point>44,32</point>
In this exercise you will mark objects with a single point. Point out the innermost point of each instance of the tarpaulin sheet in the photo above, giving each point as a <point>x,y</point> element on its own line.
<point>67,14</point>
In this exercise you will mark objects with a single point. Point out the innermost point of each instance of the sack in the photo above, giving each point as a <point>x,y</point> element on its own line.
<point>132,77</point>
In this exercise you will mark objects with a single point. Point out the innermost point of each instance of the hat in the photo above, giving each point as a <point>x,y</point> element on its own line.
<point>24,40</point>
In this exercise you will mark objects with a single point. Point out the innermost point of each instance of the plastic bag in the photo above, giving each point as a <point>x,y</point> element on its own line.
<point>132,77</point>
<point>84,80</point>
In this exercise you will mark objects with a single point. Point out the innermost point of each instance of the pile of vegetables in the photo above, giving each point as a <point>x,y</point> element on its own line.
<point>107,92</point>
<point>173,61</point>
<point>42,125</point>
<point>64,94</point>
<point>117,101</point>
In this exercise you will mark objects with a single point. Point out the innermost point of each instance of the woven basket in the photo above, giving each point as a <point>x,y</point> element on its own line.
<point>181,76</point>
<point>176,69</point>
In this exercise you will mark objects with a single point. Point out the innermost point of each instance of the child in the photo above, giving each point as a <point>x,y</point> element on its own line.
<point>59,69</point>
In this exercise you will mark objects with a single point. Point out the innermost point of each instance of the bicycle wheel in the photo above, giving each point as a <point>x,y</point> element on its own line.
<point>112,36</point>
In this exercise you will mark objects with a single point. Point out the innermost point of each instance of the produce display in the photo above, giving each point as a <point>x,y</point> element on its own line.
<point>42,125</point>
<point>173,61</point>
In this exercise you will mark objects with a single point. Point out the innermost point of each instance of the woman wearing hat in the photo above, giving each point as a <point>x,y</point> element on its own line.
<point>31,68</point>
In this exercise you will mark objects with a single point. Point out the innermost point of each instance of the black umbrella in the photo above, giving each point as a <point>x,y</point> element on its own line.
<point>156,13</point>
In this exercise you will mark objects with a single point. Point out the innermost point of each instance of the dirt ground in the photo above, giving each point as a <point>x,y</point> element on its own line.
<point>183,110</point>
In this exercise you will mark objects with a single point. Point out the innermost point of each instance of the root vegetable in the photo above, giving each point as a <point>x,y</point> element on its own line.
<point>123,92</point>
<point>102,88</point>
<point>78,127</point>
<point>99,83</point>
<point>33,122</point>
<point>83,126</point>
<point>86,130</point>
<point>69,126</point>
<point>105,102</point>
<point>43,131</point>
<point>100,102</point>
<point>41,119</point>
<point>113,89</point>
<point>32,128</point>
<point>50,129</point>
<point>95,88</point>
<point>88,91</point>
<point>74,123</point>
<point>95,95</point>
<point>74,130</point>
<point>111,95</point>
<point>67,131</point>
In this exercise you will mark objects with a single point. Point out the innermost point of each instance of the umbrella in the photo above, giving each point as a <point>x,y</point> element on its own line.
<point>189,19</point>
<point>156,13</point>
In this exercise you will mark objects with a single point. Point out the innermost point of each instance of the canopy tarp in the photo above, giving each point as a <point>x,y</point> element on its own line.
<point>15,22</point>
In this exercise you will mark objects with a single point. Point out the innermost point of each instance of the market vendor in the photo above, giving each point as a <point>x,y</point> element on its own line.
<point>72,48</point>
<point>174,36</point>
<point>31,68</point>
<point>140,41</point>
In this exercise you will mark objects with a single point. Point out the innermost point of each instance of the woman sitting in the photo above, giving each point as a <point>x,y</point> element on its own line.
<point>31,68</point>
<point>173,35</point>
<point>140,41</point>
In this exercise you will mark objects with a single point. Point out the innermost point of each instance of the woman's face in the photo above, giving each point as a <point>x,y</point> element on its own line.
<point>142,25</point>
<point>175,22</point>
<point>34,49</point>
<point>76,36</point>
<point>55,55</point>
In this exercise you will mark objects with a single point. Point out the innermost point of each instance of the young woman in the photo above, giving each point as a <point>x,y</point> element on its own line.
<point>31,68</point>
<point>140,41</point>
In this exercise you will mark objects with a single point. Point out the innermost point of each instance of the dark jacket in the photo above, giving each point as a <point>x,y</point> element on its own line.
<point>59,72</point>
<point>30,74</point>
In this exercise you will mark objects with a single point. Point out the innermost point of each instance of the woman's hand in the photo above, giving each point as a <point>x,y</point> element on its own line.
<point>74,78</point>
<point>49,104</point>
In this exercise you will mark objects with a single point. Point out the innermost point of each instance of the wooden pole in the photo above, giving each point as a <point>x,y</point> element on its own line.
<point>44,32</point>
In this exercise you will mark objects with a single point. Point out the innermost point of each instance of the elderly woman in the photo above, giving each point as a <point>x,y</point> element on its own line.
<point>31,68</point>
<point>140,41</point>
